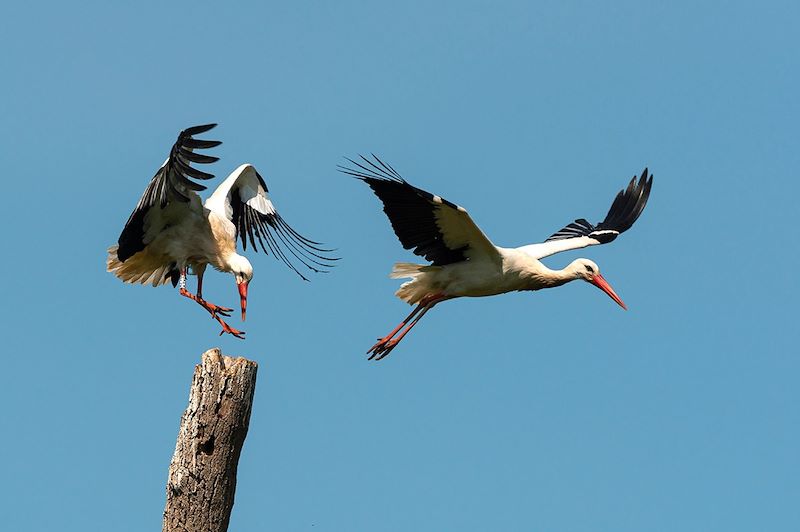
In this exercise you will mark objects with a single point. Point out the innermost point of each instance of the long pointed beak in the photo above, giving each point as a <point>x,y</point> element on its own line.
<point>603,285</point>
<point>243,296</point>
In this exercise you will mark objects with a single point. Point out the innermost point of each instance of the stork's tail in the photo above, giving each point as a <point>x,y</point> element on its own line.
<point>405,270</point>
<point>419,286</point>
<point>137,269</point>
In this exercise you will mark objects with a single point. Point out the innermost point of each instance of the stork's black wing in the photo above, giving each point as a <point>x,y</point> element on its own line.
<point>624,211</point>
<point>256,219</point>
<point>428,224</point>
<point>170,185</point>
<point>627,207</point>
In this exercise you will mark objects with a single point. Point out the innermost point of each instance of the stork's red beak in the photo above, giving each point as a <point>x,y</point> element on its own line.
<point>243,295</point>
<point>603,285</point>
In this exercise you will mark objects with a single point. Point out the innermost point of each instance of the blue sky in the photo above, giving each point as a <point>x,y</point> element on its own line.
<point>539,411</point>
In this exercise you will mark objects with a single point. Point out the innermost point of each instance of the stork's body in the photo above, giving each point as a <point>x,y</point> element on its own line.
<point>514,270</point>
<point>171,231</point>
<point>195,237</point>
<point>464,263</point>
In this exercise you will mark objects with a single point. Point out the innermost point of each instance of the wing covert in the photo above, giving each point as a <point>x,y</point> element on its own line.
<point>429,225</point>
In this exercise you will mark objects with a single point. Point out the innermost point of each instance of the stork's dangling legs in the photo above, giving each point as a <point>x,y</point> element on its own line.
<point>211,307</point>
<point>387,343</point>
<point>214,310</point>
<point>396,329</point>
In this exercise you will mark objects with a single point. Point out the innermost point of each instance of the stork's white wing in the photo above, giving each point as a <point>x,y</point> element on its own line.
<point>245,199</point>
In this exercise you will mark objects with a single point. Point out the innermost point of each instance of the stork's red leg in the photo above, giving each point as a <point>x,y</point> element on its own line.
<point>387,343</point>
<point>400,326</point>
<point>214,310</point>
<point>210,307</point>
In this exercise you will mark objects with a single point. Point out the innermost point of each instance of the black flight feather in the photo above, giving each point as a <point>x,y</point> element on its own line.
<point>271,232</point>
<point>625,210</point>
<point>171,183</point>
<point>411,211</point>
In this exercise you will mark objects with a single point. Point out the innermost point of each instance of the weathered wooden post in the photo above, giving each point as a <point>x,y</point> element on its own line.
<point>202,474</point>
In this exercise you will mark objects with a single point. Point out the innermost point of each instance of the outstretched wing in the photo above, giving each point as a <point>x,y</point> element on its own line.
<point>624,211</point>
<point>431,226</point>
<point>170,192</point>
<point>248,205</point>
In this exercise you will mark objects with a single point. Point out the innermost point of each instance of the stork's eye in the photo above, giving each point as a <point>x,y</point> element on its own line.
<point>588,268</point>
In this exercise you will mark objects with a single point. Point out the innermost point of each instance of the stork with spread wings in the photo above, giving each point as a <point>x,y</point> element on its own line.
<point>171,230</point>
<point>464,262</point>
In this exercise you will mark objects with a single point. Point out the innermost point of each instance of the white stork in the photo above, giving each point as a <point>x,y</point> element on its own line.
<point>464,262</point>
<point>171,230</point>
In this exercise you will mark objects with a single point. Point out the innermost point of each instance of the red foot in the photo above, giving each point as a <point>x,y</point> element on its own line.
<point>379,342</point>
<point>210,307</point>
<point>215,309</point>
<point>230,330</point>
<point>382,348</point>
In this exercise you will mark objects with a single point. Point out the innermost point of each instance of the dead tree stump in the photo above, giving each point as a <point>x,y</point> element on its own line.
<point>202,474</point>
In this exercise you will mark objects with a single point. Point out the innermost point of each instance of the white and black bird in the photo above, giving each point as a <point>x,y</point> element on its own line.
<point>171,230</point>
<point>464,262</point>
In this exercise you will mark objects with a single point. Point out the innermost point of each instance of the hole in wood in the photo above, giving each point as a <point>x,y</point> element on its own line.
<point>207,447</point>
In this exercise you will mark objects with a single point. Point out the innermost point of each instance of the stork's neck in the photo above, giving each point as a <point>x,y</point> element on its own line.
<point>552,278</point>
<point>528,273</point>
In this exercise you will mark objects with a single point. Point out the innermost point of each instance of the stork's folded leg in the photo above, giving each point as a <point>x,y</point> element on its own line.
<point>212,309</point>
<point>215,312</point>
<point>387,343</point>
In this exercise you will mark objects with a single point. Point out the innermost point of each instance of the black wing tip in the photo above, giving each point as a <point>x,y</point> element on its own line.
<point>646,178</point>
<point>185,137</point>
<point>278,238</point>
<point>351,171</point>
<point>624,211</point>
<point>196,130</point>
<point>371,171</point>
<point>629,203</point>
<point>181,159</point>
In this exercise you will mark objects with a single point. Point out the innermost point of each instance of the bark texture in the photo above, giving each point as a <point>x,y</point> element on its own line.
<point>202,474</point>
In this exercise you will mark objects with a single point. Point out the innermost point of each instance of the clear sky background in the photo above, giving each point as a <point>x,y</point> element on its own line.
<point>554,410</point>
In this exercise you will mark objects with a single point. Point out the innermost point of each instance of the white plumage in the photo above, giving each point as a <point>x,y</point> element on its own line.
<point>171,230</point>
<point>464,262</point>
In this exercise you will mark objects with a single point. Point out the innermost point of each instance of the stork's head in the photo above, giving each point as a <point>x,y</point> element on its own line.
<point>590,272</point>
<point>243,271</point>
